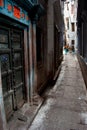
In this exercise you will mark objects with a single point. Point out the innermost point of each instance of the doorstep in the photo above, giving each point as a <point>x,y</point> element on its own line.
<point>22,119</point>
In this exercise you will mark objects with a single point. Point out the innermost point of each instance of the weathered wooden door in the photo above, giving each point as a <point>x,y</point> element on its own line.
<point>12,70</point>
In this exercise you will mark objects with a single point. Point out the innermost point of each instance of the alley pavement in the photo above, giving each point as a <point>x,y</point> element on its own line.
<point>65,107</point>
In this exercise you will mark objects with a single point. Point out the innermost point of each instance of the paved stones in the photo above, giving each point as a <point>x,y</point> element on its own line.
<point>65,103</point>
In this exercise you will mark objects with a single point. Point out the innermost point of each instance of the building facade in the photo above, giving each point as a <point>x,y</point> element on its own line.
<point>55,26</point>
<point>70,15</point>
<point>82,36</point>
<point>17,54</point>
<point>31,41</point>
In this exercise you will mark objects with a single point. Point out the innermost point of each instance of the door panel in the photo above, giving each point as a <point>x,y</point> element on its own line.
<point>17,60</point>
<point>5,59</point>
<point>3,46</point>
<point>17,66</point>
<point>8,103</point>
<point>18,77</point>
<point>11,57</point>
<point>4,37</point>
<point>19,96</point>
<point>16,39</point>
<point>5,62</point>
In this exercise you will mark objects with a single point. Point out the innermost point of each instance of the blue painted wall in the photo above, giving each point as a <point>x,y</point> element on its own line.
<point>8,9</point>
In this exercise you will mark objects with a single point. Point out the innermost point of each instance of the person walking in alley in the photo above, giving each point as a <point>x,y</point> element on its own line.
<point>66,49</point>
<point>73,48</point>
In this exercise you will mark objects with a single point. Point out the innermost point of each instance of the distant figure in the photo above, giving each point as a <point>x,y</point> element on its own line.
<point>65,49</point>
<point>73,48</point>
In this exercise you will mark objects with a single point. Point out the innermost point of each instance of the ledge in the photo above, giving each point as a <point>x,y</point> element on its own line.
<point>25,4</point>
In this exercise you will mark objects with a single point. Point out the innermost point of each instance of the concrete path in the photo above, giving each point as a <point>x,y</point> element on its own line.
<point>65,107</point>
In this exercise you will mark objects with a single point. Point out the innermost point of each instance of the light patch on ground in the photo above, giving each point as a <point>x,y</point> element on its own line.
<point>76,59</point>
<point>83,118</point>
<point>38,121</point>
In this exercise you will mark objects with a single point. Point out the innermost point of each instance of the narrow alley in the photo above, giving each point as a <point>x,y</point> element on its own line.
<point>43,64</point>
<point>65,107</point>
